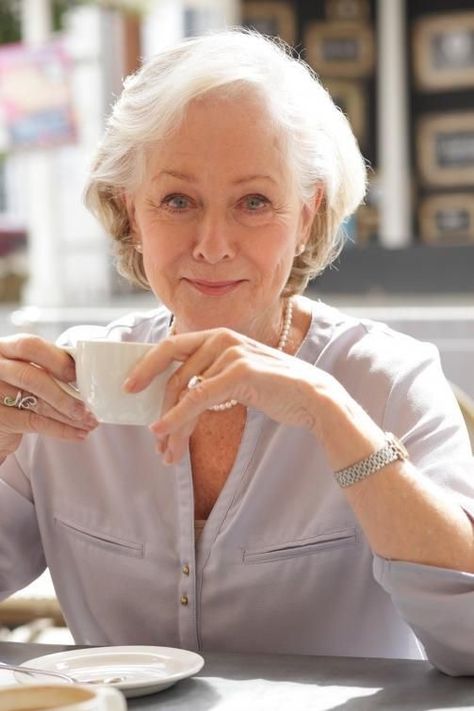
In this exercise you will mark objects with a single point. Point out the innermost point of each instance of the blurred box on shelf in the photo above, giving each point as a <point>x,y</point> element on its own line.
<point>367,225</point>
<point>351,98</point>
<point>447,219</point>
<point>340,49</point>
<point>274,18</point>
<point>347,10</point>
<point>443,51</point>
<point>445,149</point>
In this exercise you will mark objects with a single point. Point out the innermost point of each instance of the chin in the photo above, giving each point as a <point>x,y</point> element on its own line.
<point>203,322</point>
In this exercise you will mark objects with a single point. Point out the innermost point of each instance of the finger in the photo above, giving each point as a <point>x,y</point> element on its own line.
<point>172,448</point>
<point>33,349</point>
<point>178,443</point>
<point>41,407</point>
<point>173,348</point>
<point>177,384</point>
<point>30,378</point>
<point>23,421</point>
<point>211,391</point>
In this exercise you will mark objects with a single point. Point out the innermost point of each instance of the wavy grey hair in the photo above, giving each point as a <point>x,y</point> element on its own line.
<point>320,148</point>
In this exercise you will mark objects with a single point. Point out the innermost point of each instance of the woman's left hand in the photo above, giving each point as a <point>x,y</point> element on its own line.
<point>398,511</point>
<point>231,366</point>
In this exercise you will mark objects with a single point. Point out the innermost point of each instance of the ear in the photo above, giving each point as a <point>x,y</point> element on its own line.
<point>308,213</point>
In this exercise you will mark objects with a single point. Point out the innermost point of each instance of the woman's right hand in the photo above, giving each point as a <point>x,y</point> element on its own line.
<point>27,366</point>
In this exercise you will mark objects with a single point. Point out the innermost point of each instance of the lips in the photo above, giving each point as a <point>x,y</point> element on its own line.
<point>216,288</point>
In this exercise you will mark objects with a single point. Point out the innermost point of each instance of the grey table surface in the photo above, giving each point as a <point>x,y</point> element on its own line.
<point>262,682</point>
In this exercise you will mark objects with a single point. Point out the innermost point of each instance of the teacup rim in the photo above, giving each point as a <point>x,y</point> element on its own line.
<point>110,341</point>
<point>87,693</point>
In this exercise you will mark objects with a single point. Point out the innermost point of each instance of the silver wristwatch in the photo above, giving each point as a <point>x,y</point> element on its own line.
<point>390,452</point>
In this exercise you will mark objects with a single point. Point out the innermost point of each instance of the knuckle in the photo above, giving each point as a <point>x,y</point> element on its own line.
<point>21,346</point>
<point>236,351</point>
<point>176,382</point>
<point>196,395</point>
<point>25,376</point>
<point>167,346</point>
<point>246,393</point>
<point>63,431</point>
<point>240,368</point>
<point>304,418</point>
<point>226,336</point>
<point>28,343</point>
<point>33,421</point>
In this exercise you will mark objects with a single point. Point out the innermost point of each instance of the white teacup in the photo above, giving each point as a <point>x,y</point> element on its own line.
<point>60,697</point>
<point>101,369</point>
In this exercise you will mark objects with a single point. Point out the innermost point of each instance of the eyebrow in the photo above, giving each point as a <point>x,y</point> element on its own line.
<point>256,176</point>
<point>176,174</point>
<point>192,179</point>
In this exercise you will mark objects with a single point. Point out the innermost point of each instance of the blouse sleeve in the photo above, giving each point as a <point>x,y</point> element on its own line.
<point>437,603</point>
<point>21,553</point>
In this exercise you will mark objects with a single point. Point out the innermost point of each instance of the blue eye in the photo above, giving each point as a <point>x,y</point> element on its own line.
<point>176,202</point>
<point>255,202</point>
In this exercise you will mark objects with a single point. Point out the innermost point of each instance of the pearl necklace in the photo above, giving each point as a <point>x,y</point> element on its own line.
<point>285,332</point>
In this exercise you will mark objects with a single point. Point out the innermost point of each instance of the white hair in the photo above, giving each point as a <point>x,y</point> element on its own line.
<point>320,148</point>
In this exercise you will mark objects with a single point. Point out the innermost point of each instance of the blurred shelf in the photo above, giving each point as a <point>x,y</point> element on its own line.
<point>412,271</point>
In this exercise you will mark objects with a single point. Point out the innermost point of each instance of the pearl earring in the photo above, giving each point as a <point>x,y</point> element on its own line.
<point>138,247</point>
<point>300,249</point>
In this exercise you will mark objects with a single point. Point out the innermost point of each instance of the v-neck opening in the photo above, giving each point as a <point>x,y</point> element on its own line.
<point>242,461</point>
<point>252,430</point>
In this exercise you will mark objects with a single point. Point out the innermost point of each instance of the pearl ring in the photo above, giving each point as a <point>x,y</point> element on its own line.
<point>194,381</point>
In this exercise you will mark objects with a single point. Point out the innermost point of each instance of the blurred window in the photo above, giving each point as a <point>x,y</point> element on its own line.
<point>3,186</point>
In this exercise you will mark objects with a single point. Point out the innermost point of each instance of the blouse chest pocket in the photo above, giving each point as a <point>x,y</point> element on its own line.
<point>100,539</point>
<point>324,542</point>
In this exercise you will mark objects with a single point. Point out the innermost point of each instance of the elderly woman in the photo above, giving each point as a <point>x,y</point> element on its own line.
<point>269,507</point>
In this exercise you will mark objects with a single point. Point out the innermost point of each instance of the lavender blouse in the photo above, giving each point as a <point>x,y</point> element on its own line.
<point>281,564</point>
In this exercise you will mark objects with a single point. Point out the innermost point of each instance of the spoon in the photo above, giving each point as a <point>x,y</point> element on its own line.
<point>59,675</point>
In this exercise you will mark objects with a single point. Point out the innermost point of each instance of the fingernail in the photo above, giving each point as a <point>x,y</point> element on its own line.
<point>129,384</point>
<point>88,419</point>
<point>168,457</point>
<point>158,429</point>
<point>91,425</point>
<point>78,411</point>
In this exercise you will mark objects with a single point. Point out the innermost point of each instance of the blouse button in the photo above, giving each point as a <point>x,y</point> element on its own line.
<point>185,569</point>
<point>184,599</point>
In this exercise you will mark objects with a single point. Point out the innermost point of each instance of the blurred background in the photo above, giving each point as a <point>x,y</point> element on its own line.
<point>401,70</point>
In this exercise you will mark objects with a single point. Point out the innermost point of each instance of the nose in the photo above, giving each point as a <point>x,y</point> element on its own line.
<point>213,242</point>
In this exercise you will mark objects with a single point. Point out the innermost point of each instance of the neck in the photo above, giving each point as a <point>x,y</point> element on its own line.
<point>269,334</point>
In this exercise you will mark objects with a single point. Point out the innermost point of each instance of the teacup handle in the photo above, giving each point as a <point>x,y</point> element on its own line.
<point>67,387</point>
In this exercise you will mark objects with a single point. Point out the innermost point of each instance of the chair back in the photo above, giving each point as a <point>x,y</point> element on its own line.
<point>466,405</point>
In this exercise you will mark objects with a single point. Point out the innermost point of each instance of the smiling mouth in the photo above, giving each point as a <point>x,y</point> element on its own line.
<point>214,287</point>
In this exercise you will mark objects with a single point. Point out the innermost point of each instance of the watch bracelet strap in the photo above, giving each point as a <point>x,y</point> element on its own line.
<point>389,453</point>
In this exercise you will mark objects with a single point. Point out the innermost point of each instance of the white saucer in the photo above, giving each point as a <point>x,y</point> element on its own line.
<point>145,670</point>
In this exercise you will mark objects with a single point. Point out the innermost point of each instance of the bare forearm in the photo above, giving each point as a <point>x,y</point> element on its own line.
<point>404,515</point>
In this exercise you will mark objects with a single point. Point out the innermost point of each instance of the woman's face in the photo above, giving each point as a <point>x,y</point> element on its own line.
<point>219,219</point>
